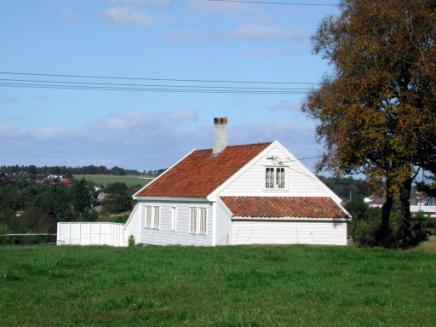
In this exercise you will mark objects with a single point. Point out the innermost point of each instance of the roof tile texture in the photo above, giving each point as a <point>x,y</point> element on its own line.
<point>280,207</point>
<point>200,173</point>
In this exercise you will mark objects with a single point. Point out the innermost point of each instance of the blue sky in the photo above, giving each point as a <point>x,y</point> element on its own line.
<point>188,39</point>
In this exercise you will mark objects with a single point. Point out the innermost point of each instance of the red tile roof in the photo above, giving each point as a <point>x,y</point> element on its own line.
<point>280,207</point>
<point>200,173</point>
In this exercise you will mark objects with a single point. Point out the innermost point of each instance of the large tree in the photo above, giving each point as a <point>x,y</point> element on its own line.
<point>376,111</point>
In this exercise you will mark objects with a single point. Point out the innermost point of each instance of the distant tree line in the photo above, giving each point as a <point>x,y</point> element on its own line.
<point>27,207</point>
<point>84,170</point>
<point>347,188</point>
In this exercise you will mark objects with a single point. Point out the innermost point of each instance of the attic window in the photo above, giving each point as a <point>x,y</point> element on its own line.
<point>275,178</point>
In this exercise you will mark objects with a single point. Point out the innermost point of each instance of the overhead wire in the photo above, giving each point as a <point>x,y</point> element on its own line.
<point>159,79</point>
<point>88,83</point>
<point>280,3</point>
<point>143,89</point>
<point>152,85</point>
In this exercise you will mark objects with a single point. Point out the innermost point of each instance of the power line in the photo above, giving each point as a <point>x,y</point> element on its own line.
<point>111,83</point>
<point>153,85</point>
<point>281,3</point>
<point>304,158</point>
<point>160,90</point>
<point>157,79</point>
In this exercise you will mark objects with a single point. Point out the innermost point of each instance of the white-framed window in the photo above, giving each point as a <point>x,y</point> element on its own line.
<point>152,217</point>
<point>148,213</point>
<point>203,221</point>
<point>156,217</point>
<point>173,218</point>
<point>280,177</point>
<point>269,177</point>
<point>193,220</point>
<point>198,220</point>
<point>275,177</point>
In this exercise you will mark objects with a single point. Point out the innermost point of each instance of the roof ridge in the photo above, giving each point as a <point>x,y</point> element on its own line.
<point>199,173</point>
<point>238,145</point>
<point>276,196</point>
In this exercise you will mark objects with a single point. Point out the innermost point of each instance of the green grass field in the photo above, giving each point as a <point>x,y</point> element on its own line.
<point>107,179</point>
<point>224,286</point>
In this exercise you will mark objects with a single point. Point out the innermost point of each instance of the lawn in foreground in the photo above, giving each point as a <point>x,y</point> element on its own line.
<point>252,285</point>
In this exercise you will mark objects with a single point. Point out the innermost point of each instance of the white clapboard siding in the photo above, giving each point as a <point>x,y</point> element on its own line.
<point>222,224</point>
<point>165,235</point>
<point>299,181</point>
<point>133,225</point>
<point>289,232</point>
<point>78,233</point>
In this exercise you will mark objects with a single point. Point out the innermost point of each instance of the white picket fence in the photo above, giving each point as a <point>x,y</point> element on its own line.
<point>77,233</point>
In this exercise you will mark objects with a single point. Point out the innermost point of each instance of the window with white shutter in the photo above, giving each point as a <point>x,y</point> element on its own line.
<point>269,178</point>
<point>198,221</point>
<point>156,217</point>
<point>275,178</point>
<point>148,217</point>
<point>193,220</point>
<point>280,177</point>
<point>203,221</point>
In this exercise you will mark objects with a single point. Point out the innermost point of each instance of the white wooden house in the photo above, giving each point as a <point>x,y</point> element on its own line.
<point>240,194</point>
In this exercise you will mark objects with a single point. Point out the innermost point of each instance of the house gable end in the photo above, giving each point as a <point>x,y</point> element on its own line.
<point>250,179</point>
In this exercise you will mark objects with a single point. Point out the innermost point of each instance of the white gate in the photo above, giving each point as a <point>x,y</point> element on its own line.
<point>77,233</point>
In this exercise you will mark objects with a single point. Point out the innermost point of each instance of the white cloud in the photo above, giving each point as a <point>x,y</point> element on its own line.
<point>128,16</point>
<point>141,122</point>
<point>177,117</point>
<point>264,32</point>
<point>47,133</point>
<point>286,105</point>
<point>156,3</point>
<point>139,140</point>
<point>211,7</point>
<point>263,52</point>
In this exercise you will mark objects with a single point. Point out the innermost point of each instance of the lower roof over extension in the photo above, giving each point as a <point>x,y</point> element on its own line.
<point>283,207</point>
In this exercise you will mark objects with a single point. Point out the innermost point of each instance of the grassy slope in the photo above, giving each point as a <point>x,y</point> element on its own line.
<point>106,179</point>
<point>216,286</point>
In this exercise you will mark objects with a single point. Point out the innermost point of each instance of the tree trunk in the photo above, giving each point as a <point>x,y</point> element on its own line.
<point>406,188</point>
<point>386,212</point>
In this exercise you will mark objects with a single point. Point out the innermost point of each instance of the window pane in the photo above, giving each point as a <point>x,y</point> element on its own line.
<point>148,222</point>
<point>156,217</point>
<point>280,177</point>
<point>193,224</point>
<point>203,220</point>
<point>269,178</point>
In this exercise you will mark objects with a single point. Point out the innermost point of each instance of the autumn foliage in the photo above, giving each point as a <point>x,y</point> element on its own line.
<point>376,112</point>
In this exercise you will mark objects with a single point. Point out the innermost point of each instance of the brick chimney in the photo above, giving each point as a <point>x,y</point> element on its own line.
<point>220,135</point>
